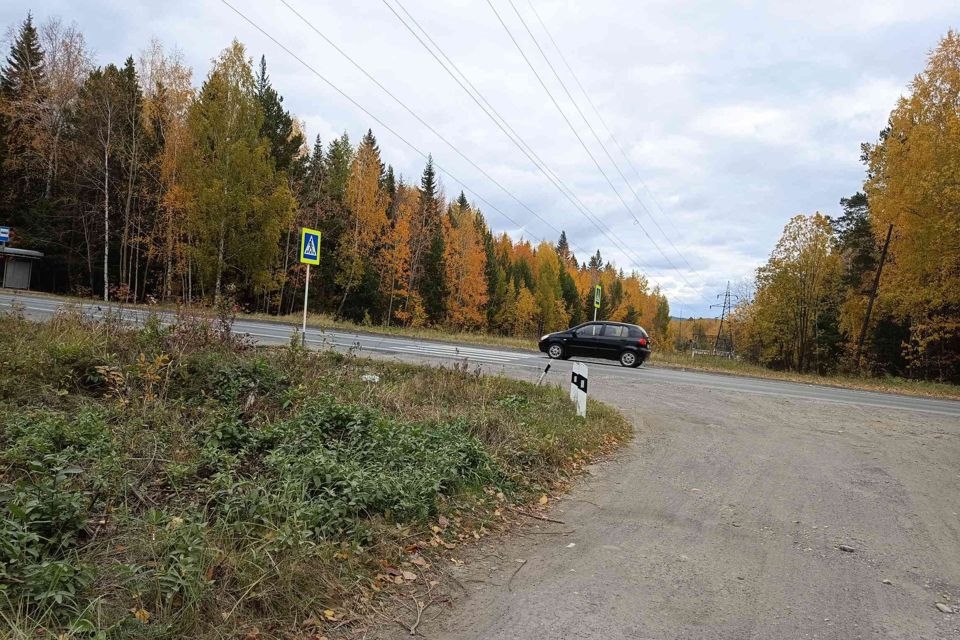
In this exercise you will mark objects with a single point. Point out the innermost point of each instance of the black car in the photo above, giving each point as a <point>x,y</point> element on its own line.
<point>627,343</point>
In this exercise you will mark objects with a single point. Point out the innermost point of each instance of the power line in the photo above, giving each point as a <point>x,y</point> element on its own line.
<point>596,137</point>
<point>367,112</point>
<point>508,130</point>
<point>580,139</point>
<point>416,116</point>
<point>612,137</point>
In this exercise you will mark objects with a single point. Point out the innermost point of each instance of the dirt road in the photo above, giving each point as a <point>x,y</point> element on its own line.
<point>724,518</point>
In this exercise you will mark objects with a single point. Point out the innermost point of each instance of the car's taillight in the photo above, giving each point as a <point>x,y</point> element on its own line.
<point>643,342</point>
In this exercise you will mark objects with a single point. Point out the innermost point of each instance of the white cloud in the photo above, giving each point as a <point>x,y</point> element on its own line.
<point>736,115</point>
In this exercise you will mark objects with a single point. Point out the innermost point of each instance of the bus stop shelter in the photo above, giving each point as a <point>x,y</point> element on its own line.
<point>18,266</point>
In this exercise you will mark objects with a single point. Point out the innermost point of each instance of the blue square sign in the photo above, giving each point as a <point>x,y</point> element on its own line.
<point>310,246</point>
<point>4,234</point>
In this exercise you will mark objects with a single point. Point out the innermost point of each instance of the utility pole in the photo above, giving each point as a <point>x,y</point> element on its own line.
<point>873,296</point>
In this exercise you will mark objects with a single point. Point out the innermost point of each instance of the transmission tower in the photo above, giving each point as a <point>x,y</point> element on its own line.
<point>724,340</point>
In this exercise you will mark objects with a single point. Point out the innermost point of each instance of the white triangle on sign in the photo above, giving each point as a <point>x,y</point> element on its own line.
<point>311,250</point>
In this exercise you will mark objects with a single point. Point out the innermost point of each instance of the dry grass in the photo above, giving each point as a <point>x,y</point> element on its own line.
<point>174,481</point>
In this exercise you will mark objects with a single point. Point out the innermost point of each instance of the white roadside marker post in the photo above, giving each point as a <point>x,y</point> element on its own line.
<point>578,388</point>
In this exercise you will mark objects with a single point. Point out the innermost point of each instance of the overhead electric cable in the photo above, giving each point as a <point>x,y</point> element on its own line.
<point>581,141</point>
<point>369,113</point>
<point>612,137</point>
<point>509,131</point>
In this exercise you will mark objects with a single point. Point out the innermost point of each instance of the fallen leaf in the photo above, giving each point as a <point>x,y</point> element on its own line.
<point>436,529</point>
<point>419,561</point>
<point>253,634</point>
<point>330,615</point>
<point>544,499</point>
<point>443,522</point>
<point>141,614</point>
<point>409,575</point>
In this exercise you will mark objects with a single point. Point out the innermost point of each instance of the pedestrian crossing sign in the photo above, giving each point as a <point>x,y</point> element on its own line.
<point>309,246</point>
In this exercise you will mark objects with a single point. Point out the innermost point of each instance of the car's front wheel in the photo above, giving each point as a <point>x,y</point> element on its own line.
<point>629,359</point>
<point>555,351</point>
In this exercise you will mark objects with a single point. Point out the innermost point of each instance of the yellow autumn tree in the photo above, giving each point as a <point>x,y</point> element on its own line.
<point>552,314</point>
<point>367,206</point>
<point>914,172</point>
<point>525,313</point>
<point>395,258</point>
<point>465,263</point>
<point>798,284</point>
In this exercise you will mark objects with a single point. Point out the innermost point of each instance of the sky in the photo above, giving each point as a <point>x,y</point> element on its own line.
<point>733,116</point>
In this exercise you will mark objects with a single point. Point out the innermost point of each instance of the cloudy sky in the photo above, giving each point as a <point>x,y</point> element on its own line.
<point>735,115</point>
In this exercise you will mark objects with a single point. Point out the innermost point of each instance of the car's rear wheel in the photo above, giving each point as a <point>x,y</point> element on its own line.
<point>555,351</point>
<point>629,359</point>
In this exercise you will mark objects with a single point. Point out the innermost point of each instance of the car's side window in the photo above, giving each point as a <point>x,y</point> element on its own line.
<point>615,331</point>
<point>591,330</point>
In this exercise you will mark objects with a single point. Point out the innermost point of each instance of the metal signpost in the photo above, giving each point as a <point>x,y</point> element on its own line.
<point>578,388</point>
<point>309,255</point>
<point>596,301</point>
<point>4,239</point>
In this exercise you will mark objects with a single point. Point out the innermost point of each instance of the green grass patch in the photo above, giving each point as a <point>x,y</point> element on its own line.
<point>173,481</point>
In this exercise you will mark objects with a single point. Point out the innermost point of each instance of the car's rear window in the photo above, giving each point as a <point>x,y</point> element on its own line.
<point>615,331</point>
<point>637,332</point>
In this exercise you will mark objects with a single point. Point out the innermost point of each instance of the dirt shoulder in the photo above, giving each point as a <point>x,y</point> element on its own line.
<point>725,519</point>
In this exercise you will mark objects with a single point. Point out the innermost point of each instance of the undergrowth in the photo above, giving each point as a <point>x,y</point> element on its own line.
<point>173,481</point>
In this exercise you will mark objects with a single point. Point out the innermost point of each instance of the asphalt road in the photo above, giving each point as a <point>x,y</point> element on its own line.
<point>723,519</point>
<point>521,363</point>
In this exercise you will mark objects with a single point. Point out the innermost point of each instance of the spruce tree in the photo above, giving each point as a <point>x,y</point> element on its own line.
<point>462,202</point>
<point>278,127</point>
<point>337,169</point>
<point>24,73</point>
<point>23,90</point>
<point>389,184</point>
<point>563,247</point>
<point>432,286</point>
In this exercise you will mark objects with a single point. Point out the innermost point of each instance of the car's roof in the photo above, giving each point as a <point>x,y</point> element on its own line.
<point>621,324</point>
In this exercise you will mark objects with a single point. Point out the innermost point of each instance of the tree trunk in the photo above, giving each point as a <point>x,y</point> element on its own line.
<point>52,160</point>
<point>106,215</point>
<point>216,289</point>
<point>124,249</point>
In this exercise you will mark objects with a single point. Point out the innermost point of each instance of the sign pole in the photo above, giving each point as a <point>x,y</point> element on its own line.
<point>306,296</point>
<point>4,239</point>
<point>309,254</point>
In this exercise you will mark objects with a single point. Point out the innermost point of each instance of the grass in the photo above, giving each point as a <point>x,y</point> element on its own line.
<point>173,482</point>
<point>887,384</point>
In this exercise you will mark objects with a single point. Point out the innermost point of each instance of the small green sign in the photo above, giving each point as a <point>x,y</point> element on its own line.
<point>596,297</point>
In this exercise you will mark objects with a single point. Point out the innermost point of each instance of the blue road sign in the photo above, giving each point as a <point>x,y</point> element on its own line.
<point>310,246</point>
<point>4,234</point>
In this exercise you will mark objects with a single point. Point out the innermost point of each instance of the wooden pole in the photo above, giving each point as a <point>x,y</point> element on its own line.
<point>873,296</point>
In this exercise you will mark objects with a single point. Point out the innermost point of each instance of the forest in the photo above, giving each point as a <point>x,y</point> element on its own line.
<point>809,302</point>
<point>139,186</point>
